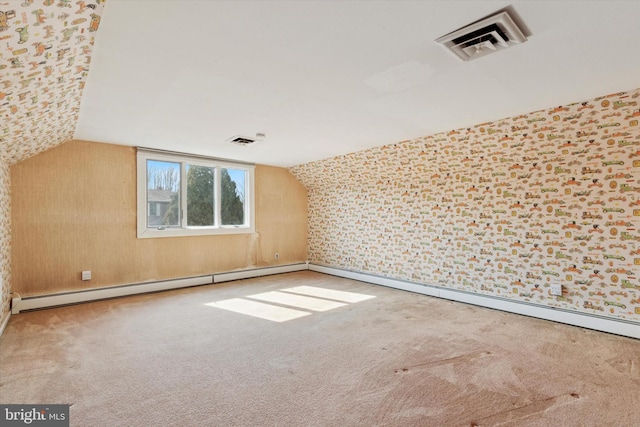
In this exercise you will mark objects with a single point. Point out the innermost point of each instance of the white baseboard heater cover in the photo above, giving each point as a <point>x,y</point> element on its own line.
<point>36,302</point>
<point>257,272</point>
<point>585,320</point>
<point>53,300</point>
<point>599,323</point>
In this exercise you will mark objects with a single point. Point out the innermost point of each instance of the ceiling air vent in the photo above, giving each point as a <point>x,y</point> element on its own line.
<point>246,140</point>
<point>497,32</point>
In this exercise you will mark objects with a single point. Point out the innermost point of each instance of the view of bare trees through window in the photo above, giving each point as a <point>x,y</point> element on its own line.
<point>163,187</point>
<point>163,176</point>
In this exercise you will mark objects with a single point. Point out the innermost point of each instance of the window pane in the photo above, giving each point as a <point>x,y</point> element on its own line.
<point>163,194</point>
<point>232,197</point>
<point>200,206</point>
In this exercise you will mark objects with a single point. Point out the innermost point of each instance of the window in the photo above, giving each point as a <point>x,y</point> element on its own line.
<point>182,195</point>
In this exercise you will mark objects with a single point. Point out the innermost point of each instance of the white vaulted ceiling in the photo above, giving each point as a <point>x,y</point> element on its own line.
<point>323,78</point>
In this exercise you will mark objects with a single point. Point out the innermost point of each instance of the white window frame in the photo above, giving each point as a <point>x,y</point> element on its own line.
<point>145,232</point>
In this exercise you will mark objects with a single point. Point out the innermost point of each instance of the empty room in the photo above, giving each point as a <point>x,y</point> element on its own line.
<point>319,213</point>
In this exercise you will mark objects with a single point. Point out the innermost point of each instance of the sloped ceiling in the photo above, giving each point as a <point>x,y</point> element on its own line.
<point>45,53</point>
<point>319,78</point>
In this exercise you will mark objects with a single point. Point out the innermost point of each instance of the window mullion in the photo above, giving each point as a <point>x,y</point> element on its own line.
<point>248,197</point>
<point>216,196</point>
<point>183,195</point>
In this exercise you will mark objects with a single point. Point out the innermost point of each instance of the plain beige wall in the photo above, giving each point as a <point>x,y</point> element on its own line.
<point>74,209</point>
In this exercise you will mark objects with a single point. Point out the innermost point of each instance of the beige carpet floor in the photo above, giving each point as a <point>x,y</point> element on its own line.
<point>394,359</point>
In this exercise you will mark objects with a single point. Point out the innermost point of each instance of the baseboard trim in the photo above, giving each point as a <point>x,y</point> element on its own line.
<point>590,321</point>
<point>75,297</point>
<point>258,272</point>
<point>5,322</point>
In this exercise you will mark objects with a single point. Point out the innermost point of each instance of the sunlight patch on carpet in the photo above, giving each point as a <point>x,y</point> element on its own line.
<point>298,301</point>
<point>299,297</point>
<point>343,296</point>
<point>258,309</point>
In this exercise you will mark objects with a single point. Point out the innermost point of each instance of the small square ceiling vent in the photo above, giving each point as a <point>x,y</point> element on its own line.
<point>242,140</point>
<point>246,140</point>
<point>497,32</point>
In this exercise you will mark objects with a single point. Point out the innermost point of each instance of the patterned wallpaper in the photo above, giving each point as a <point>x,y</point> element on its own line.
<point>45,50</point>
<point>5,239</point>
<point>502,208</point>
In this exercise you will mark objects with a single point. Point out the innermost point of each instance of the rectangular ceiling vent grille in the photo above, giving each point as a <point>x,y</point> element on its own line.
<point>497,32</point>
<point>242,140</point>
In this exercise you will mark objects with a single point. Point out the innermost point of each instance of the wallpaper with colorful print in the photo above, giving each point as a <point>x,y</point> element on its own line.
<point>505,208</point>
<point>45,50</point>
<point>5,240</point>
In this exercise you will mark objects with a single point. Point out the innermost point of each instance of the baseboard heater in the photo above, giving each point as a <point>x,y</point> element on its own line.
<point>53,300</point>
<point>585,320</point>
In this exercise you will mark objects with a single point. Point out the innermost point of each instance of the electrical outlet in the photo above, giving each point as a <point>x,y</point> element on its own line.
<point>556,289</point>
<point>277,255</point>
<point>86,275</point>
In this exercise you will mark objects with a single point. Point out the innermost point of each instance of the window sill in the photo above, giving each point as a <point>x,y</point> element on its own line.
<point>152,233</point>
